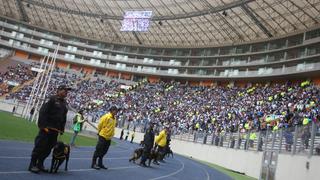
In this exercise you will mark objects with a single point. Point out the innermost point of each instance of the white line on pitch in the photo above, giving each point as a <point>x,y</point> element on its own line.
<point>206,172</point>
<point>171,174</point>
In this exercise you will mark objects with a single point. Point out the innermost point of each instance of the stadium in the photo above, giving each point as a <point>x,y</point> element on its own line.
<point>233,84</point>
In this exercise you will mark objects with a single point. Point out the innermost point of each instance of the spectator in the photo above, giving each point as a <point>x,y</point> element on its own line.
<point>121,134</point>
<point>77,126</point>
<point>132,136</point>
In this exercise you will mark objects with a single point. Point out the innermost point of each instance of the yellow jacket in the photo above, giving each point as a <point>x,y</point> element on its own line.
<point>106,126</point>
<point>161,139</point>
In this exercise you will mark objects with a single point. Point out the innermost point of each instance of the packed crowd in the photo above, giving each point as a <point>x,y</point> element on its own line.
<point>225,109</point>
<point>14,76</point>
<point>188,108</point>
<point>91,94</point>
<point>58,77</point>
<point>87,91</point>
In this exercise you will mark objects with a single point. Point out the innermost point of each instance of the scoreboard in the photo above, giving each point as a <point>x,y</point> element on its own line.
<point>137,21</point>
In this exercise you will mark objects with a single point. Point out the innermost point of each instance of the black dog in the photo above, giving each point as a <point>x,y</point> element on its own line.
<point>169,152</point>
<point>138,153</point>
<point>60,153</point>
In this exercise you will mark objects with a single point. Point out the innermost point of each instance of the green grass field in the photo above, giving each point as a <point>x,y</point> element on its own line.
<point>232,174</point>
<point>19,129</point>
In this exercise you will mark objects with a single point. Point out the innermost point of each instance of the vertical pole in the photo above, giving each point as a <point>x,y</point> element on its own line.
<point>266,140</point>
<point>238,139</point>
<point>281,139</point>
<point>247,140</point>
<point>204,138</point>
<point>39,86</point>
<point>212,138</point>
<point>31,96</point>
<point>295,140</point>
<point>47,77</point>
<point>273,140</point>
<point>313,133</point>
<point>259,140</point>
<point>230,139</point>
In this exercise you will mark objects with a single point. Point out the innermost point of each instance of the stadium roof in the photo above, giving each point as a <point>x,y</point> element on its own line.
<point>175,23</point>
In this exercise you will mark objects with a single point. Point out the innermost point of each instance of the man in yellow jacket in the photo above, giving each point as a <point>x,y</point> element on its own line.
<point>106,128</point>
<point>161,142</point>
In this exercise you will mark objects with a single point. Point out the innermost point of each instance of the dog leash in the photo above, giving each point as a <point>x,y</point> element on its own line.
<point>92,125</point>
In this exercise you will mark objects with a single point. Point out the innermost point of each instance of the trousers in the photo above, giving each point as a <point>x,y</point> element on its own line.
<point>43,144</point>
<point>102,148</point>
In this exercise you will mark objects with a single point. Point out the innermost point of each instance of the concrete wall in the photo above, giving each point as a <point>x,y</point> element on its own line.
<point>247,162</point>
<point>7,106</point>
<point>294,167</point>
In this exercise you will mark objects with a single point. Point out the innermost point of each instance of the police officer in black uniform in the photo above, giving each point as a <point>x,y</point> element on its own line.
<point>51,122</point>
<point>148,141</point>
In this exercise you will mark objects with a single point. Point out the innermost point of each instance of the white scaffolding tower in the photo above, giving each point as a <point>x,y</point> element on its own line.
<point>40,85</point>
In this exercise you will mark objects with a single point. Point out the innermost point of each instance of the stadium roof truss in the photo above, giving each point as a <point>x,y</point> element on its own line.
<point>175,23</point>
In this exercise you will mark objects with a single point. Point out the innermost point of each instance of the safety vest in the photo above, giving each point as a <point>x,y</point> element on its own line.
<point>275,128</point>
<point>252,136</point>
<point>305,121</point>
<point>247,126</point>
<point>197,125</point>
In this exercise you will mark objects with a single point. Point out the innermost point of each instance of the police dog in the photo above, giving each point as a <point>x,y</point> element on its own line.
<point>60,153</point>
<point>138,153</point>
<point>169,153</point>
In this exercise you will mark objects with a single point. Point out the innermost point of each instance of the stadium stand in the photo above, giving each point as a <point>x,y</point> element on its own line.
<point>238,74</point>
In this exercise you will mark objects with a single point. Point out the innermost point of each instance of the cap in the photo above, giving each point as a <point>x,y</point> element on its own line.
<point>64,87</point>
<point>114,108</point>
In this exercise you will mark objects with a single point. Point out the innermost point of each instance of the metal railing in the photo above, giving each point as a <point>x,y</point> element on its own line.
<point>301,140</point>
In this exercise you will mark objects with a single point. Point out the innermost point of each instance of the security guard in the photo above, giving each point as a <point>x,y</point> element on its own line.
<point>148,141</point>
<point>106,128</point>
<point>161,142</point>
<point>51,122</point>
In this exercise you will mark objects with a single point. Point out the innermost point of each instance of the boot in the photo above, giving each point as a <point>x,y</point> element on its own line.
<point>100,164</point>
<point>33,167</point>
<point>93,164</point>
<point>41,167</point>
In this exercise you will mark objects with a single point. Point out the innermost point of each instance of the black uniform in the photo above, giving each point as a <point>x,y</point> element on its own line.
<point>148,141</point>
<point>52,120</point>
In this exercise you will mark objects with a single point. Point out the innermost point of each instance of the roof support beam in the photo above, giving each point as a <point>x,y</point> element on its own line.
<point>136,36</point>
<point>256,20</point>
<point>23,15</point>
<point>155,18</point>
